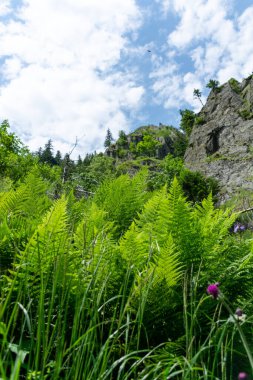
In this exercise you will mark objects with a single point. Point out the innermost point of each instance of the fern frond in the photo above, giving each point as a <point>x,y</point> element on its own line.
<point>213,225</point>
<point>50,236</point>
<point>135,247</point>
<point>122,199</point>
<point>167,266</point>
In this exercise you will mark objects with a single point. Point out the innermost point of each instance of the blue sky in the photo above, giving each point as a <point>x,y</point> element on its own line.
<point>73,68</point>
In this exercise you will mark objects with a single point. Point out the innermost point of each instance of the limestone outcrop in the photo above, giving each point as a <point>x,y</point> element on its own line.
<point>221,143</point>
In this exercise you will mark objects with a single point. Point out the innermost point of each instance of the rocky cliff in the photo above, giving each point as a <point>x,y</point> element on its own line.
<point>221,144</point>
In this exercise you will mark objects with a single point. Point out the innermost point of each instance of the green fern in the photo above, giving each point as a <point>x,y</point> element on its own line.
<point>20,212</point>
<point>167,265</point>
<point>122,199</point>
<point>94,249</point>
<point>44,250</point>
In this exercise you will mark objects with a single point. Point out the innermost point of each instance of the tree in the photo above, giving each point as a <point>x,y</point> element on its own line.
<point>187,121</point>
<point>148,146</point>
<point>197,95</point>
<point>213,84</point>
<point>58,158</point>
<point>108,139</point>
<point>68,167</point>
<point>79,161</point>
<point>15,158</point>
<point>46,155</point>
<point>9,141</point>
<point>122,140</point>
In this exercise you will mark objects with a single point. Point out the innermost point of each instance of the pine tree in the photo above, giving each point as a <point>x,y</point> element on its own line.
<point>47,154</point>
<point>58,158</point>
<point>68,167</point>
<point>108,139</point>
<point>79,161</point>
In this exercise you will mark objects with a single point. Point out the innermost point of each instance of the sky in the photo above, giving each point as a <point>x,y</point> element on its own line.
<point>71,69</point>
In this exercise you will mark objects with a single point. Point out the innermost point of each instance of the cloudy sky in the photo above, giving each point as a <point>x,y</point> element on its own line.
<point>73,68</point>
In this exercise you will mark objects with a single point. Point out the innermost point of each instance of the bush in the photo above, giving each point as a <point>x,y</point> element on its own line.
<point>197,187</point>
<point>199,120</point>
<point>235,85</point>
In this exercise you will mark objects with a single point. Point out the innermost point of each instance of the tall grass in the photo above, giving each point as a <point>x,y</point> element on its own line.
<point>87,336</point>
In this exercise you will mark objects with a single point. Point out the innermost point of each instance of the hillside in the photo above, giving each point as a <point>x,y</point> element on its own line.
<point>119,266</point>
<point>152,141</point>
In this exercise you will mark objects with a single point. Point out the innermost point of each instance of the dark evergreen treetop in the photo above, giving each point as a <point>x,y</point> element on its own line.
<point>108,139</point>
<point>46,156</point>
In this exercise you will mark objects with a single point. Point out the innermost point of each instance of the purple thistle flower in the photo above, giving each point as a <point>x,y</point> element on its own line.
<point>242,376</point>
<point>213,290</point>
<point>239,227</point>
<point>239,312</point>
<point>236,228</point>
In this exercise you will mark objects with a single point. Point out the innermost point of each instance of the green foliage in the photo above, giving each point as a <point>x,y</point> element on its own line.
<point>197,95</point>
<point>235,85</point>
<point>173,166</point>
<point>196,187</point>
<point>15,159</point>
<point>213,85</point>
<point>179,144</point>
<point>108,139</point>
<point>113,286</point>
<point>187,121</point>
<point>199,120</point>
<point>103,278</point>
<point>245,113</point>
<point>90,173</point>
<point>20,211</point>
<point>122,153</point>
<point>122,140</point>
<point>46,155</point>
<point>122,199</point>
<point>148,146</point>
<point>9,141</point>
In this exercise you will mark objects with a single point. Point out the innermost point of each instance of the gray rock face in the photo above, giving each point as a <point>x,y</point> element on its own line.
<point>222,147</point>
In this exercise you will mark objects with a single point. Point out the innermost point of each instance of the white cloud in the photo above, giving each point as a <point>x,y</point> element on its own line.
<point>216,42</point>
<point>4,7</point>
<point>60,70</point>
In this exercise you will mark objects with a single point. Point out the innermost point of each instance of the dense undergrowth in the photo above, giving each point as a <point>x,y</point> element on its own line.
<point>113,286</point>
<point>104,269</point>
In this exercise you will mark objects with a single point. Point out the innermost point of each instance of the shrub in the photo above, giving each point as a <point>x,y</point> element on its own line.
<point>235,85</point>
<point>199,120</point>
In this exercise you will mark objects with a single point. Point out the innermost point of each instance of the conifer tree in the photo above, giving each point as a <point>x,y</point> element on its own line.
<point>108,139</point>
<point>47,154</point>
<point>68,167</point>
<point>58,158</point>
